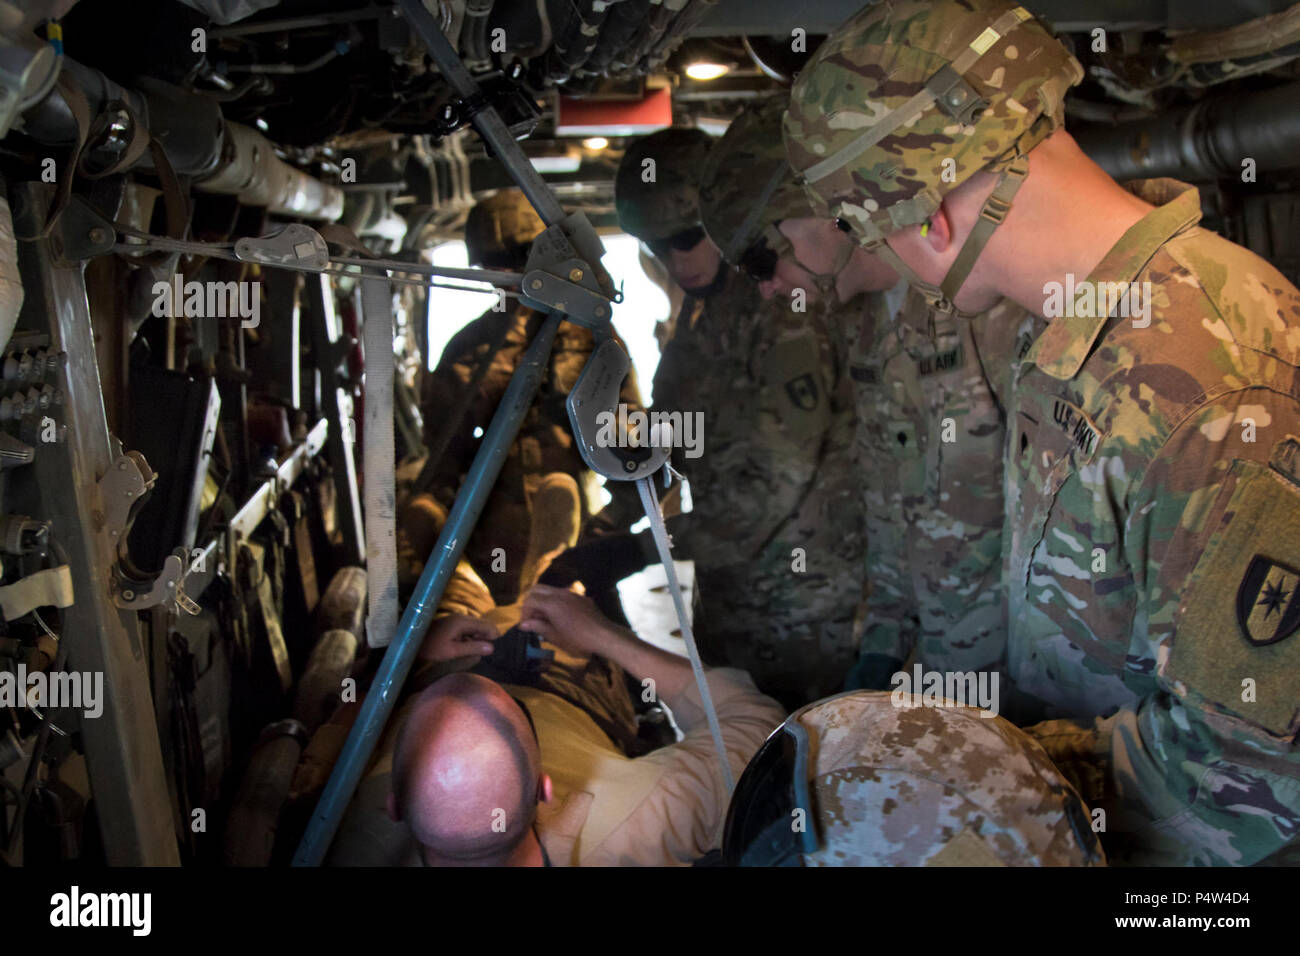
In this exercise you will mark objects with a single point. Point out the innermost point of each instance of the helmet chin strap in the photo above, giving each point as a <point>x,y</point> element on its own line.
<point>941,297</point>
<point>827,283</point>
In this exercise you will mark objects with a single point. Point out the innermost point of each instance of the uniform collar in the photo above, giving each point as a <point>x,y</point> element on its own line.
<point>1067,341</point>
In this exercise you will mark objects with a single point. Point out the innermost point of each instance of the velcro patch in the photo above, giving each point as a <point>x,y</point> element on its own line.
<point>942,361</point>
<point>803,391</point>
<point>1075,423</point>
<point>1268,601</point>
<point>1238,638</point>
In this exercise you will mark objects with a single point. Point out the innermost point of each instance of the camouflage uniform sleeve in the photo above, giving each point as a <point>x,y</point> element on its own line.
<point>1205,766</point>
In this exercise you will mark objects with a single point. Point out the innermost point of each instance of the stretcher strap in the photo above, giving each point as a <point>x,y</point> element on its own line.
<point>651,504</point>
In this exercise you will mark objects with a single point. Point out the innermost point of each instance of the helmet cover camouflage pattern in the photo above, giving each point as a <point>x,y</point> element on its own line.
<point>1006,101</point>
<point>655,201</point>
<point>497,228</point>
<point>907,786</point>
<point>739,171</point>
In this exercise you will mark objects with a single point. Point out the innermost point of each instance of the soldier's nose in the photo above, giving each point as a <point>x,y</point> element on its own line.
<point>768,288</point>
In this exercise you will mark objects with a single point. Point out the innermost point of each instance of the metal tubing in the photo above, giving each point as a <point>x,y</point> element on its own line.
<point>1205,141</point>
<point>487,121</point>
<point>260,178</point>
<point>387,684</point>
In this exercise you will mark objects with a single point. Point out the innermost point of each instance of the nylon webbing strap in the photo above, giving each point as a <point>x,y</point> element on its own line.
<point>991,215</point>
<point>80,110</point>
<point>650,502</point>
<point>741,240</point>
<point>932,293</point>
<point>918,103</point>
<point>378,463</point>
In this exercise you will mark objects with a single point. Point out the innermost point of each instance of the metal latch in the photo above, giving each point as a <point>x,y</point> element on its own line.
<point>122,490</point>
<point>593,413</point>
<point>296,246</point>
<point>559,278</point>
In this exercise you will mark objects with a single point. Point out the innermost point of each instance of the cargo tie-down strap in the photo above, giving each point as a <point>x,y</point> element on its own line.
<point>646,486</point>
<point>378,462</point>
<point>595,396</point>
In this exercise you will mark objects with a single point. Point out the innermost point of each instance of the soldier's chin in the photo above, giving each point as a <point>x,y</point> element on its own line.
<point>712,288</point>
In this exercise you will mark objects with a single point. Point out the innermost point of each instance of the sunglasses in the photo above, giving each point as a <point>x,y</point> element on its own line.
<point>683,241</point>
<point>760,830</point>
<point>760,259</point>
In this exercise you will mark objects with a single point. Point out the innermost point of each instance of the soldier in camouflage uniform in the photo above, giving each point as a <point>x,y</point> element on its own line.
<point>775,531</point>
<point>931,392</point>
<point>1152,538</point>
<point>497,236</point>
<point>891,785</point>
<point>929,387</point>
<point>747,194</point>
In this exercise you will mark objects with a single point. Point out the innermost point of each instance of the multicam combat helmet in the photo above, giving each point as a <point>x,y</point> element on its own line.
<point>500,228</point>
<point>747,188</point>
<point>747,184</point>
<point>882,785</point>
<point>654,201</point>
<point>908,99</point>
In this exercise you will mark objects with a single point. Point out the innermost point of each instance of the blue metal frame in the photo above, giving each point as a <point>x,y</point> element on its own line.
<point>399,657</point>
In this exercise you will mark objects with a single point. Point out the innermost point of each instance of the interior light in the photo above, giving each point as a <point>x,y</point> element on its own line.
<point>704,70</point>
<point>595,142</point>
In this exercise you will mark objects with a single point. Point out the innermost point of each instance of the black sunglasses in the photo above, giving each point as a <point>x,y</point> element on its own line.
<point>683,241</point>
<point>760,827</point>
<point>759,261</point>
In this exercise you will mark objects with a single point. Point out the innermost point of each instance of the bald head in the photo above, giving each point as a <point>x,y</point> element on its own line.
<point>466,771</point>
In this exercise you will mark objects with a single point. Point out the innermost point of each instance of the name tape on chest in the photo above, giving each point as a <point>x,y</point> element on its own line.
<point>942,361</point>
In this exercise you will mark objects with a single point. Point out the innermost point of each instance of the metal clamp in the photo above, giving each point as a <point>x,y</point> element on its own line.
<point>296,246</point>
<point>168,588</point>
<point>83,232</point>
<point>122,489</point>
<point>558,277</point>
<point>595,395</point>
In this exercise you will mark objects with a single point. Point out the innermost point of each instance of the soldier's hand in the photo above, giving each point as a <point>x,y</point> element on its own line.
<point>569,621</point>
<point>600,563</point>
<point>458,636</point>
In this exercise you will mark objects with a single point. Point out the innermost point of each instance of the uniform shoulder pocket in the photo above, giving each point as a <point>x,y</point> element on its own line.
<point>795,383</point>
<point>1237,636</point>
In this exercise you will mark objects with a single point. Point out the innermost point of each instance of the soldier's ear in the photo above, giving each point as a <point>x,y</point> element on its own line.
<point>939,233</point>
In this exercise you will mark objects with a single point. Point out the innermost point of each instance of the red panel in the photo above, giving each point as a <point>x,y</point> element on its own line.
<point>614,117</point>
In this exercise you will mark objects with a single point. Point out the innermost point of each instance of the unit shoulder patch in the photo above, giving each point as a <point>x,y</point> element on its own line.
<point>1268,602</point>
<point>803,391</point>
<point>1236,644</point>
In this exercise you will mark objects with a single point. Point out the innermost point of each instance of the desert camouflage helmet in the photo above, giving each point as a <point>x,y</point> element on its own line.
<point>746,183</point>
<point>654,200</point>
<point>894,785</point>
<point>908,99</point>
<point>499,226</point>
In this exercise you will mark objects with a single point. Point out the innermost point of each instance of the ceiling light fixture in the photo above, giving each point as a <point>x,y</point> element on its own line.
<point>704,70</point>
